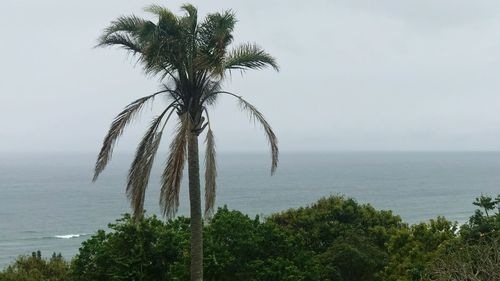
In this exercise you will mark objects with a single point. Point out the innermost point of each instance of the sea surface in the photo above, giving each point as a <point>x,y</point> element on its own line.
<point>48,202</point>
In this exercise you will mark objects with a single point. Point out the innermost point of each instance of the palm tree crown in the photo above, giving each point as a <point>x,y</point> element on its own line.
<point>192,59</point>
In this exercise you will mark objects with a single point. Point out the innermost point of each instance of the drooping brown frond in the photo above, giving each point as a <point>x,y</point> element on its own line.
<point>210,174</point>
<point>115,131</point>
<point>172,175</point>
<point>139,176</point>
<point>271,137</point>
<point>140,170</point>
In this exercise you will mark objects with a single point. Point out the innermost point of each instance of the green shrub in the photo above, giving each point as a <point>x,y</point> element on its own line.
<point>148,250</point>
<point>240,248</point>
<point>36,268</point>
<point>412,249</point>
<point>483,224</point>
<point>343,239</point>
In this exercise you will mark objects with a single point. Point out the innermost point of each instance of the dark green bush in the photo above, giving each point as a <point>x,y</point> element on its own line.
<point>335,239</point>
<point>240,248</point>
<point>343,239</point>
<point>148,250</point>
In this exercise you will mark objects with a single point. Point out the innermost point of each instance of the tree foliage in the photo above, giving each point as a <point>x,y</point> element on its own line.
<point>343,239</point>
<point>412,249</point>
<point>37,268</point>
<point>147,250</point>
<point>333,239</point>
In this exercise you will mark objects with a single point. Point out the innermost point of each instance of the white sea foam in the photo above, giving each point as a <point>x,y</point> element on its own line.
<point>69,236</point>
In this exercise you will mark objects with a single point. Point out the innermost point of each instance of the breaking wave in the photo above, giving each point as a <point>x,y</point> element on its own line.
<point>69,236</point>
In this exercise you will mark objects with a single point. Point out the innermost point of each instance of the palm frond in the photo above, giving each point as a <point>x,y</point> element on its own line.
<point>215,34</point>
<point>138,177</point>
<point>161,12</point>
<point>249,56</point>
<point>129,32</point>
<point>116,130</point>
<point>210,174</point>
<point>216,30</point>
<point>164,50</point>
<point>127,24</point>
<point>208,97</point>
<point>271,137</point>
<point>192,15</point>
<point>140,170</point>
<point>172,174</point>
<point>122,40</point>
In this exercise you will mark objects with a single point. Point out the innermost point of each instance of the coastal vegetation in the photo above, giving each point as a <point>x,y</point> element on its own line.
<point>192,58</point>
<point>334,239</point>
<point>37,268</point>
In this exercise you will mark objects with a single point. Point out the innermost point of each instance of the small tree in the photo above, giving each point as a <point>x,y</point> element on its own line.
<point>487,203</point>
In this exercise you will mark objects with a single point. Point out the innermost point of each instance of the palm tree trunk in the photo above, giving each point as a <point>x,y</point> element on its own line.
<point>195,204</point>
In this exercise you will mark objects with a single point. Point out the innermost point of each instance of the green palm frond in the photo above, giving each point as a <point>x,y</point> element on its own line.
<point>192,16</point>
<point>189,23</point>
<point>161,12</point>
<point>130,32</point>
<point>157,44</point>
<point>216,30</point>
<point>271,137</point>
<point>132,25</point>
<point>215,34</point>
<point>116,130</point>
<point>161,55</point>
<point>210,174</point>
<point>172,175</point>
<point>122,40</point>
<point>249,56</point>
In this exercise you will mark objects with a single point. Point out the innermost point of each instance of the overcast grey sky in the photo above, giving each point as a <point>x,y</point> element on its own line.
<point>355,75</point>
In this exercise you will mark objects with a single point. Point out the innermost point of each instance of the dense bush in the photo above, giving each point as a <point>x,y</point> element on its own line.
<point>240,248</point>
<point>36,268</point>
<point>412,249</point>
<point>333,239</point>
<point>148,250</point>
<point>339,239</point>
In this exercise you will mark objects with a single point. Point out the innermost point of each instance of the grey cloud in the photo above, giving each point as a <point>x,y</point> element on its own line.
<point>356,75</point>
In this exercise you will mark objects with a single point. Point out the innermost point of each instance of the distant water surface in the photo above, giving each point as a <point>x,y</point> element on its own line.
<point>48,203</point>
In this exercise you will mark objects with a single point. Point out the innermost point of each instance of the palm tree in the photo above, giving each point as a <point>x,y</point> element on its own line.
<point>192,60</point>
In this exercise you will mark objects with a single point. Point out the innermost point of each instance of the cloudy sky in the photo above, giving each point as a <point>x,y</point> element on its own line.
<point>355,75</point>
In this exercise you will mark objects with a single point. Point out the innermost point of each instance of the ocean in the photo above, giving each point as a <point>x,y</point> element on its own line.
<point>48,202</point>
